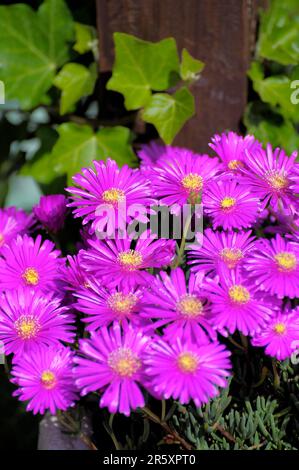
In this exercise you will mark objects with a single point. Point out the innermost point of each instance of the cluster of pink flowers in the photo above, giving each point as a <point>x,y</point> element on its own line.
<point>153,314</point>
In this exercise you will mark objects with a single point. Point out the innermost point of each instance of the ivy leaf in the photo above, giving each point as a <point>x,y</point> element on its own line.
<point>32,45</point>
<point>142,66</point>
<point>85,38</point>
<point>190,68</point>
<point>75,81</point>
<point>115,142</point>
<point>168,113</point>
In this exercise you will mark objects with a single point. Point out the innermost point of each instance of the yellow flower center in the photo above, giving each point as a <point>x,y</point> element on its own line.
<point>48,379</point>
<point>235,164</point>
<point>124,362</point>
<point>1,239</point>
<point>190,306</point>
<point>277,181</point>
<point>228,203</point>
<point>122,303</point>
<point>187,362</point>
<point>280,328</point>
<point>192,182</point>
<point>31,276</point>
<point>231,256</point>
<point>239,294</point>
<point>286,261</point>
<point>27,327</point>
<point>113,196</point>
<point>130,260</point>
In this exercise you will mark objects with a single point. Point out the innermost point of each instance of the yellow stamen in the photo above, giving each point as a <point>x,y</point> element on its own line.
<point>239,294</point>
<point>235,164</point>
<point>27,327</point>
<point>1,239</point>
<point>190,306</point>
<point>31,276</point>
<point>187,362</point>
<point>277,181</point>
<point>48,379</point>
<point>130,260</point>
<point>122,303</point>
<point>113,196</point>
<point>280,328</point>
<point>228,203</point>
<point>286,261</point>
<point>192,182</point>
<point>124,362</point>
<point>231,256</point>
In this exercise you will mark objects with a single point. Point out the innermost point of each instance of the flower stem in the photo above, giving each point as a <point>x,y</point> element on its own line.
<point>276,375</point>
<point>180,255</point>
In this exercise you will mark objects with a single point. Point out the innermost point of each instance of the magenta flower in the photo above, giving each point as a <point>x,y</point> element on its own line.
<point>237,304</point>
<point>45,380</point>
<point>184,309</point>
<point>280,335</point>
<point>274,266</point>
<point>74,275</point>
<point>31,263</point>
<point>273,177</point>
<point>122,262</point>
<point>104,306</point>
<point>31,318</point>
<point>150,154</point>
<point>109,187</point>
<point>230,205</point>
<point>183,176</point>
<point>51,212</point>
<point>13,222</point>
<point>113,361</point>
<point>214,251</point>
<point>230,148</point>
<point>187,371</point>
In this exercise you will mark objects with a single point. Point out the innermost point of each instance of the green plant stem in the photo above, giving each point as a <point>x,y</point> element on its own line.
<point>235,343</point>
<point>276,382</point>
<point>112,435</point>
<point>163,411</point>
<point>180,255</point>
<point>244,341</point>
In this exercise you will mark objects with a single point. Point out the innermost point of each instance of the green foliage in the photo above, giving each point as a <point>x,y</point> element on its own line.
<point>190,68</point>
<point>273,76</point>
<point>86,38</point>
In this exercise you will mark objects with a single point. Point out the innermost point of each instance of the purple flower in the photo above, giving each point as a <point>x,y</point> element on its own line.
<point>51,212</point>
<point>13,222</point>
<point>113,361</point>
<point>280,335</point>
<point>187,371</point>
<point>31,263</point>
<point>274,266</point>
<point>183,176</point>
<point>109,187</point>
<point>184,309</point>
<point>29,319</point>
<point>217,250</point>
<point>74,275</point>
<point>230,148</point>
<point>45,380</point>
<point>237,304</point>
<point>150,154</point>
<point>230,205</point>
<point>273,177</point>
<point>122,262</point>
<point>104,306</point>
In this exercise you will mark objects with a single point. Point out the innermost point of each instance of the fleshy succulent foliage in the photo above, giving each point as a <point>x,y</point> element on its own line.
<point>136,319</point>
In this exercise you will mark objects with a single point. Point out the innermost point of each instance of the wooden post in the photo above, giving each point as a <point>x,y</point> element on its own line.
<point>219,32</point>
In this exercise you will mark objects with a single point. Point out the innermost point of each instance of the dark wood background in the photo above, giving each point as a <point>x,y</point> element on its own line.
<point>222,33</point>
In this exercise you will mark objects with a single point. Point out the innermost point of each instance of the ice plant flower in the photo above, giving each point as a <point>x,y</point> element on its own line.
<point>31,318</point>
<point>230,205</point>
<point>280,335</point>
<point>215,250</point>
<point>51,212</point>
<point>31,263</point>
<point>237,304</point>
<point>113,361</point>
<point>273,177</point>
<point>150,154</point>
<point>274,266</point>
<point>45,380</point>
<point>124,262</point>
<point>185,370</point>
<point>103,306</point>
<point>183,308</point>
<point>73,274</point>
<point>183,176</point>
<point>13,222</point>
<point>230,148</point>
<point>108,187</point>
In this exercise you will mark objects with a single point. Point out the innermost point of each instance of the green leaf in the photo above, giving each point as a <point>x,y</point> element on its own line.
<point>85,38</point>
<point>190,68</point>
<point>75,81</point>
<point>142,66</point>
<point>23,192</point>
<point>32,45</point>
<point>41,170</point>
<point>168,113</point>
<point>115,142</point>
<point>279,38</point>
